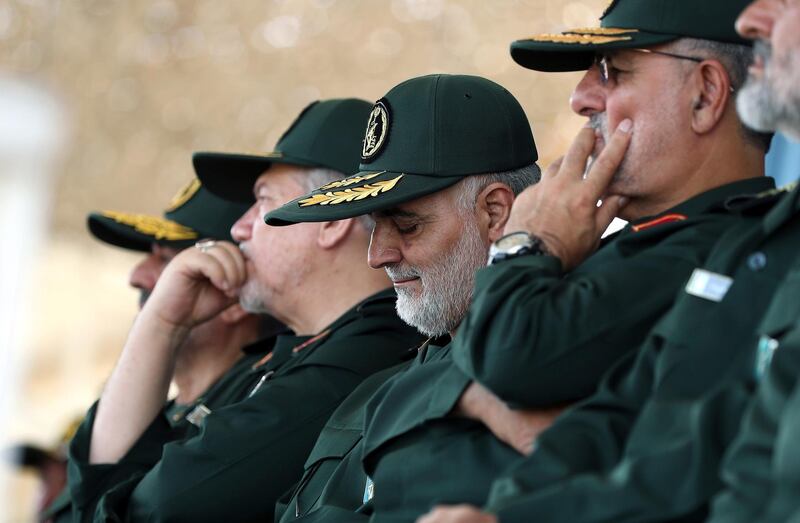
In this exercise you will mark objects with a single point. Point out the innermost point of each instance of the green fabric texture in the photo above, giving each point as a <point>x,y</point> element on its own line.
<point>202,215</point>
<point>425,135</point>
<point>632,24</point>
<point>648,445</point>
<point>762,468</point>
<point>333,476</point>
<point>553,330</point>
<point>233,386</point>
<point>246,454</point>
<point>326,134</point>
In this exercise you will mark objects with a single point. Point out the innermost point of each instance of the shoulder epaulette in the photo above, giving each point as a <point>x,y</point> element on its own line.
<point>758,202</point>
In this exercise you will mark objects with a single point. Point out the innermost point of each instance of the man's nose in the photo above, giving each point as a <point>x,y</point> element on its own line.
<point>588,98</point>
<point>243,228</point>
<point>758,19</point>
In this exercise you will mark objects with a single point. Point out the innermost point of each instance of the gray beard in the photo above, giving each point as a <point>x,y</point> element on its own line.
<point>771,103</point>
<point>446,285</point>
<point>253,297</point>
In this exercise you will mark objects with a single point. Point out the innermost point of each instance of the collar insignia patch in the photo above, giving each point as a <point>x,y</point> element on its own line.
<point>350,195</point>
<point>158,228</point>
<point>184,195</point>
<point>377,131</point>
<point>667,218</point>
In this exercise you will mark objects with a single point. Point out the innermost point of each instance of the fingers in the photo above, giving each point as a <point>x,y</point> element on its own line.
<point>223,265</point>
<point>553,168</point>
<point>574,163</point>
<point>606,164</point>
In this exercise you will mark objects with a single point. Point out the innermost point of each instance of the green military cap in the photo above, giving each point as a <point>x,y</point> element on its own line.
<point>193,213</point>
<point>325,134</point>
<point>426,134</point>
<point>629,24</point>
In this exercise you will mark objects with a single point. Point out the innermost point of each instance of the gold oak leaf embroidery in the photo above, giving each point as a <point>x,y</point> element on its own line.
<point>158,228</point>
<point>352,194</point>
<point>349,181</point>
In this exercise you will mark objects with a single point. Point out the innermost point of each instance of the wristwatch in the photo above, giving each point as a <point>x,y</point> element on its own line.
<point>515,244</point>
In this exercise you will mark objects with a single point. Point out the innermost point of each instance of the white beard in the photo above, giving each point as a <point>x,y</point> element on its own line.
<point>446,285</point>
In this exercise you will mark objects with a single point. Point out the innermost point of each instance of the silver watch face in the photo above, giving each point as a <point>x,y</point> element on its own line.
<point>514,241</point>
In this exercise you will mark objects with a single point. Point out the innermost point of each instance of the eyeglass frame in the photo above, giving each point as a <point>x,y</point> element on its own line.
<point>602,63</point>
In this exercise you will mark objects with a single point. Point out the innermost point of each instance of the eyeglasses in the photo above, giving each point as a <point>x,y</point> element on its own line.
<point>601,61</point>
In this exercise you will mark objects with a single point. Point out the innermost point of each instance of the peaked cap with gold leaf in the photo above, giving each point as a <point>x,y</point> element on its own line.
<point>425,135</point>
<point>631,24</point>
<point>192,214</point>
<point>325,134</point>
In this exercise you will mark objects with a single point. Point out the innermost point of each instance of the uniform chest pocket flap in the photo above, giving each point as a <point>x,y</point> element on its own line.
<point>338,443</point>
<point>784,310</point>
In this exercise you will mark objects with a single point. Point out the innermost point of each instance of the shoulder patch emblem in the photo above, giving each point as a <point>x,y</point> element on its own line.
<point>377,131</point>
<point>184,195</point>
<point>350,195</point>
<point>158,228</point>
<point>667,218</point>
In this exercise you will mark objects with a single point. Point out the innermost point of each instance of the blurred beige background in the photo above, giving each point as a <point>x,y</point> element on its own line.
<point>143,83</point>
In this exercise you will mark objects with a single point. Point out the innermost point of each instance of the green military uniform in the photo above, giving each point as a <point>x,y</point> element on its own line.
<point>648,444</point>
<point>576,325</point>
<point>192,214</point>
<point>327,482</point>
<point>248,453</point>
<point>761,470</point>
<point>425,135</point>
<point>408,433</point>
<point>245,455</point>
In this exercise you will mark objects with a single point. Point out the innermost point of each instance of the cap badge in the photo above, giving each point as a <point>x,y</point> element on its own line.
<point>184,195</point>
<point>377,130</point>
<point>350,195</point>
<point>158,228</point>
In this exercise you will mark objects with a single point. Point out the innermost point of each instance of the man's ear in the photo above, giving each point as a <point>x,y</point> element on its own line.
<point>711,96</point>
<point>233,314</point>
<point>494,207</point>
<point>332,234</point>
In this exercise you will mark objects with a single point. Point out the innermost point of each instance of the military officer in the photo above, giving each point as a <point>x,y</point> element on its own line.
<point>124,464</point>
<point>213,366</point>
<point>647,446</point>
<point>443,158</point>
<point>761,471</point>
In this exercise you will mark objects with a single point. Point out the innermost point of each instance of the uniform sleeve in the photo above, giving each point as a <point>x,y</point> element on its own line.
<point>595,470</point>
<point>748,470</point>
<point>242,460</point>
<point>537,337</point>
<point>86,480</point>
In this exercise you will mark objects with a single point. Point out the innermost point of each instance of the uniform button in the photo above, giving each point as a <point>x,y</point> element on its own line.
<point>757,261</point>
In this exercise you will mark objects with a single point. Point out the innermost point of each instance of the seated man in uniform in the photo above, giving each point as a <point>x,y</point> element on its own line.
<point>649,444</point>
<point>443,158</point>
<point>128,462</point>
<point>419,449</point>
<point>212,367</point>
<point>761,470</point>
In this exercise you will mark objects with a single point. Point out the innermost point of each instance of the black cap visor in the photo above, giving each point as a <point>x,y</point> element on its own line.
<point>575,50</point>
<point>139,232</point>
<point>232,176</point>
<point>362,193</point>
